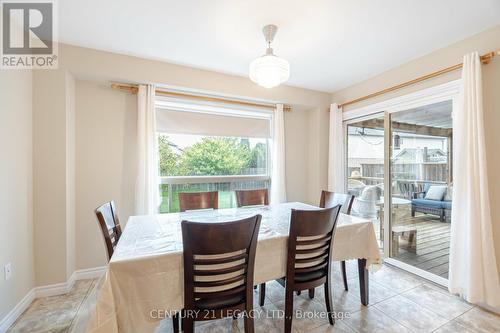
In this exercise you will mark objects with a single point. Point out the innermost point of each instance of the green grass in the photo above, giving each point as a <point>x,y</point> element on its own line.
<point>226,200</point>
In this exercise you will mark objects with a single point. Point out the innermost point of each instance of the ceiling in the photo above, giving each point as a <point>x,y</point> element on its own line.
<point>330,44</point>
<point>433,115</point>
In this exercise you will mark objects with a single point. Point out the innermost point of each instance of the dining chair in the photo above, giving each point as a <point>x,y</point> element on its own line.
<point>254,198</point>
<point>331,199</point>
<point>110,226</point>
<point>309,256</point>
<point>198,200</point>
<point>219,263</point>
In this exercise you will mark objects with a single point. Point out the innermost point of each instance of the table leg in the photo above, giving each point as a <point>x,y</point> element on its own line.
<point>363,281</point>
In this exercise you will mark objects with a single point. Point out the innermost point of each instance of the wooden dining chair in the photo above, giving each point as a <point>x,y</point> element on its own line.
<point>309,256</point>
<point>219,265</point>
<point>198,200</point>
<point>252,197</point>
<point>110,225</point>
<point>331,199</point>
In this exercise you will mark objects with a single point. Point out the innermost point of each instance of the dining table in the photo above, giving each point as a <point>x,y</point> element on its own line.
<point>145,273</point>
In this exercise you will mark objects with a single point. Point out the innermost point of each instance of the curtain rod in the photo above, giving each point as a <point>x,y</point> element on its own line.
<point>132,88</point>
<point>485,59</point>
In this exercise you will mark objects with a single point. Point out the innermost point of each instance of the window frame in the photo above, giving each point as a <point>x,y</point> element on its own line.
<point>177,180</point>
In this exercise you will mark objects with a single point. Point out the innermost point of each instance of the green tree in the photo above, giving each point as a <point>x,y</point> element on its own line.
<point>168,159</point>
<point>215,156</point>
<point>259,153</point>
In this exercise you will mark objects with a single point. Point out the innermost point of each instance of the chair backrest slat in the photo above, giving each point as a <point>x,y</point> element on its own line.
<point>198,200</point>
<point>220,256</point>
<point>252,197</point>
<point>310,242</point>
<point>331,199</point>
<point>110,226</point>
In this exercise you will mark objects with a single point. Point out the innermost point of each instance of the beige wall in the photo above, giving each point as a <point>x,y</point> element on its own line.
<point>105,162</point>
<point>53,184</point>
<point>70,174</point>
<point>89,64</point>
<point>16,219</point>
<point>484,42</point>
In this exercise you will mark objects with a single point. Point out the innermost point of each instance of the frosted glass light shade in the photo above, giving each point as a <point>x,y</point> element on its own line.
<point>269,71</point>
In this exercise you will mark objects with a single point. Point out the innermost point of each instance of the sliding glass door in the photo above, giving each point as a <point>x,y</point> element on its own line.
<point>421,182</point>
<point>399,168</point>
<point>365,168</point>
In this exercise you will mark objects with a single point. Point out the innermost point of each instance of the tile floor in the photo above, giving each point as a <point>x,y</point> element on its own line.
<point>54,314</point>
<point>399,302</point>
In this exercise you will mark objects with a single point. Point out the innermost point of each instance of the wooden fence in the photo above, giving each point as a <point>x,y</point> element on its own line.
<point>433,172</point>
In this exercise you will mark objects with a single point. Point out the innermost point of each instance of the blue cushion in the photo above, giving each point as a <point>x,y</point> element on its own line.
<point>447,204</point>
<point>427,203</point>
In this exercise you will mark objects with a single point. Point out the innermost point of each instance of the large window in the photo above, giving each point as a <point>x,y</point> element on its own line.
<point>198,155</point>
<point>211,150</point>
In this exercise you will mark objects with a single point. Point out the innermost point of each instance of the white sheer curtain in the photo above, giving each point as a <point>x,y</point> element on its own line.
<point>473,266</point>
<point>336,153</point>
<point>146,187</point>
<point>278,178</point>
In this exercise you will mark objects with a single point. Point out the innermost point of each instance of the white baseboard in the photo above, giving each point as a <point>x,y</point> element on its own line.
<point>55,289</point>
<point>90,273</point>
<point>11,317</point>
<point>50,290</point>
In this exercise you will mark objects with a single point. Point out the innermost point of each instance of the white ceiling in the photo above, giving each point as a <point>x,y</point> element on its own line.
<point>330,44</point>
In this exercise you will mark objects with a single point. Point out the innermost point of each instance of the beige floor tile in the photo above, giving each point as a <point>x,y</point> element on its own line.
<point>343,301</point>
<point>266,319</point>
<point>54,313</point>
<point>302,308</point>
<point>420,307</point>
<point>371,320</point>
<point>217,326</point>
<point>377,291</point>
<point>455,327</point>
<point>339,327</point>
<point>480,320</point>
<point>438,301</point>
<point>274,292</point>
<point>395,279</point>
<point>410,314</point>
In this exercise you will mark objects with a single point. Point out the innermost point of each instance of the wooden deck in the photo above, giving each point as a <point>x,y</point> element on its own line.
<point>433,244</point>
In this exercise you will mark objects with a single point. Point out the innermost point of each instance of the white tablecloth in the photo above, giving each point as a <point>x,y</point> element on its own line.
<point>146,271</point>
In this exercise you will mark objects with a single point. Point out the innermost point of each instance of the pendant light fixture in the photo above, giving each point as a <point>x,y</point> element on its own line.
<point>269,70</point>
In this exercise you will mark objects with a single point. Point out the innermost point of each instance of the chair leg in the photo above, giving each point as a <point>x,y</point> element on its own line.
<point>311,293</point>
<point>288,310</point>
<point>175,323</point>
<point>248,324</point>
<point>344,274</point>
<point>188,324</point>
<point>328,301</point>
<point>262,292</point>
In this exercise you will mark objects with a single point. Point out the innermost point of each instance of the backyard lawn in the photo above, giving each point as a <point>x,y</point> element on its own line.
<point>226,200</point>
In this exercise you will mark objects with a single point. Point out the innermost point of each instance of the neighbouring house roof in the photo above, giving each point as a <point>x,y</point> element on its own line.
<point>411,154</point>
